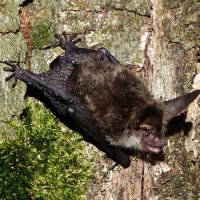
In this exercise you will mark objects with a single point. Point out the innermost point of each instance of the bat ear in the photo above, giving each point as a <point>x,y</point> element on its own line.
<point>175,106</point>
<point>150,117</point>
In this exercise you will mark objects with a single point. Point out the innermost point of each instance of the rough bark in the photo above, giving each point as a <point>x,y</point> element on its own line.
<point>161,38</point>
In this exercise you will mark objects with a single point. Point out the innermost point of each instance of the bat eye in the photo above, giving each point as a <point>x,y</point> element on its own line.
<point>146,134</point>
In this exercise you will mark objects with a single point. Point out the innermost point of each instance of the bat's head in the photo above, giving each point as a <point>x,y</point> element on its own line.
<point>151,122</point>
<point>148,132</point>
<point>150,129</point>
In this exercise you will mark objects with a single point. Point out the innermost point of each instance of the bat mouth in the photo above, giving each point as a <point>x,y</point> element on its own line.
<point>154,149</point>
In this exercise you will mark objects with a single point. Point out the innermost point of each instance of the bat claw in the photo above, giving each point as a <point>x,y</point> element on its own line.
<point>56,43</point>
<point>58,36</point>
<point>15,83</point>
<point>77,40</point>
<point>73,36</point>
<point>65,35</point>
<point>9,77</point>
<point>9,63</point>
<point>7,69</point>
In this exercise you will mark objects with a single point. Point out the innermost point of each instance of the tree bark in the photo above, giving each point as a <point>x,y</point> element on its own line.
<point>160,39</point>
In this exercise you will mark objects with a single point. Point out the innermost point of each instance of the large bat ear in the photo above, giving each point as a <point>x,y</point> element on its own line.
<point>175,106</point>
<point>150,117</point>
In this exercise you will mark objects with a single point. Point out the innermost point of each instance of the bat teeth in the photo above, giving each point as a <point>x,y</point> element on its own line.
<point>153,149</point>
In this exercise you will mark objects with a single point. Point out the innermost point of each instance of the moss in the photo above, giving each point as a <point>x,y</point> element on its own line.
<point>42,161</point>
<point>41,36</point>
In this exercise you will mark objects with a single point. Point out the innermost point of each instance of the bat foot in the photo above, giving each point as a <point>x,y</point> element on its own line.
<point>65,42</point>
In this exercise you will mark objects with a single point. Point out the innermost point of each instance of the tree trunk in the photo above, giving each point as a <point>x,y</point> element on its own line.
<point>159,39</point>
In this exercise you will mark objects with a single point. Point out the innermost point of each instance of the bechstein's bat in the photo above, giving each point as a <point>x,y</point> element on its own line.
<point>91,91</point>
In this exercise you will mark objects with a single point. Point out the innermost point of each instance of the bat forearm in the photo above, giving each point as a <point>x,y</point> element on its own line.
<point>37,81</point>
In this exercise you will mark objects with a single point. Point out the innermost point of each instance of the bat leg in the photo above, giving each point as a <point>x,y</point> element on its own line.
<point>68,44</point>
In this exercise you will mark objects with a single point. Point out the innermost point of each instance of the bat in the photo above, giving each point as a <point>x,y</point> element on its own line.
<point>91,92</point>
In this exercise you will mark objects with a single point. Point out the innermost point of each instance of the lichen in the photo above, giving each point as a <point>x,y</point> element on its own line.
<point>9,15</point>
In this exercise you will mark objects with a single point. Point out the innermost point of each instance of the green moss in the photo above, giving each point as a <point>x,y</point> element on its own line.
<point>41,36</point>
<point>41,161</point>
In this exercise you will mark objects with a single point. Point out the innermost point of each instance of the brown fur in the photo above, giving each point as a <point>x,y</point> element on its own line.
<point>113,94</point>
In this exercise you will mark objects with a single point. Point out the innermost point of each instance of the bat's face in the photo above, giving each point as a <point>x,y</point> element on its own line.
<point>153,140</point>
<point>151,126</point>
<point>151,130</point>
<point>148,135</point>
<point>144,139</point>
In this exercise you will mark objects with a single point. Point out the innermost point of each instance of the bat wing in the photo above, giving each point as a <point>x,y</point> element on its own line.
<point>86,123</point>
<point>63,104</point>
